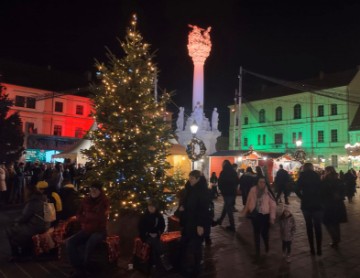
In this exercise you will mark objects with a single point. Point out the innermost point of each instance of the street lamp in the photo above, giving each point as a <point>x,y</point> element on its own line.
<point>194,128</point>
<point>299,154</point>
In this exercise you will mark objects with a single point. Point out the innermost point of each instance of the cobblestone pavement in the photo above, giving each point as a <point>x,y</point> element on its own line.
<point>231,254</point>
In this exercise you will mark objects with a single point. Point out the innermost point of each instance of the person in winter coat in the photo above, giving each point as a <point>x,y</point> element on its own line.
<point>194,220</point>
<point>70,200</point>
<point>261,206</point>
<point>214,185</point>
<point>31,222</point>
<point>247,181</point>
<point>51,197</point>
<point>281,179</point>
<point>228,182</point>
<point>309,189</point>
<point>287,231</point>
<point>350,184</point>
<point>151,227</point>
<point>92,215</point>
<point>334,207</point>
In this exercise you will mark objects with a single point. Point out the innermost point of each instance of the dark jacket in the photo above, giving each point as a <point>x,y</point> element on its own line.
<point>247,181</point>
<point>31,221</point>
<point>309,189</point>
<point>151,223</point>
<point>228,181</point>
<point>334,207</point>
<point>196,203</point>
<point>70,201</point>
<point>93,214</point>
<point>282,177</point>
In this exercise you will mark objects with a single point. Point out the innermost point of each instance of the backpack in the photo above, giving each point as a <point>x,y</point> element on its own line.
<point>49,212</point>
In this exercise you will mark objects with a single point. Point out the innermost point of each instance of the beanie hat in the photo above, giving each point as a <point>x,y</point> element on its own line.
<point>42,185</point>
<point>97,184</point>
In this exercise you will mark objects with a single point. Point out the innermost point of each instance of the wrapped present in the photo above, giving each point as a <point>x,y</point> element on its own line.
<point>170,236</point>
<point>141,249</point>
<point>43,243</point>
<point>113,247</point>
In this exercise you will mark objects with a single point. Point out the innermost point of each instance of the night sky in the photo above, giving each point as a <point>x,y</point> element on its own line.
<point>289,40</point>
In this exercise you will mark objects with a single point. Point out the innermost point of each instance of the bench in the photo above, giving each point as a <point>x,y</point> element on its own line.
<point>55,238</point>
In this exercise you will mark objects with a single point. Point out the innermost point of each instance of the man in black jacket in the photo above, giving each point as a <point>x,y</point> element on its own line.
<point>195,219</point>
<point>281,180</point>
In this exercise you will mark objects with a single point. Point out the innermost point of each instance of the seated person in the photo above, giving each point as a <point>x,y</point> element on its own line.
<point>93,215</point>
<point>70,200</point>
<point>30,223</point>
<point>52,197</point>
<point>151,227</point>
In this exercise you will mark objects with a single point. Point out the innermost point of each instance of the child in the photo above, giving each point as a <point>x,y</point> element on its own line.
<point>287,231</point>
<point>151,226</point>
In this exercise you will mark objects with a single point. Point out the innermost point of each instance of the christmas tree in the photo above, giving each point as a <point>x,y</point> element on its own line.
<point>132,140</point>
<point>12,137</point>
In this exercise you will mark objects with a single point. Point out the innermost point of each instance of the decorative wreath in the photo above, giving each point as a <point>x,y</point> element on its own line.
<point>195,149</point>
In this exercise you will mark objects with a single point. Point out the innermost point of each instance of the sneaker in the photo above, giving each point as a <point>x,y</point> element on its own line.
<point>288,259</point>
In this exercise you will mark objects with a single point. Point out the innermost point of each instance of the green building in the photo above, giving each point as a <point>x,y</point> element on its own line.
<point>323,114</point>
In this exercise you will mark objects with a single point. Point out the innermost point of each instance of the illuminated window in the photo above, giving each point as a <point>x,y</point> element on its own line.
<point>30,102</point>
<point>334,161</point>
<point>321,111</point>
<point>297,111</point>
<point>262,116</point>
<point>300,136</point>
<point>246,120</point>
<point>278,114</point>
<point>79,110</point>
<point>333,109</point>
<point>59,106</point>
<point>294,138</point>
<point>264,139</point>
<point>278,138</point>
<point>79,132</point>
<point>19,101</point>
<point>259,139</point>
<point>245,141</point>
<point>334,136</point>
<point>320,136</point>
<point>57,130</point>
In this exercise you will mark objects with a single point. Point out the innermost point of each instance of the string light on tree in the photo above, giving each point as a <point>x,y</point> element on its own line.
<point>131,142</point>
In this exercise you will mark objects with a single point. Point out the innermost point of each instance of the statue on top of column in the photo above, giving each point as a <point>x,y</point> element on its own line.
<point>199,44</point>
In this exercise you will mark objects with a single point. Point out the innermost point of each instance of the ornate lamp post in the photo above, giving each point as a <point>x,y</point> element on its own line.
<point>196,148</point>
<point>299,154</point>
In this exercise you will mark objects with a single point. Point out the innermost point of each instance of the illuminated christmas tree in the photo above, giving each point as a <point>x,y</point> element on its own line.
<point>132,140</point>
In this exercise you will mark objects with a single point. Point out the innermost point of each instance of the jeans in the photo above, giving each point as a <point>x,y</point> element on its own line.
<point>190,255</point>
<point>313,219</point>
<point>261,227</point>
<point>282,189</point>
<point>80,259</point>
<point>228,209</point>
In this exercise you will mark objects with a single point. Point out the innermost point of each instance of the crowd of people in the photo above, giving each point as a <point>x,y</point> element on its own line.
<point>322,198</point>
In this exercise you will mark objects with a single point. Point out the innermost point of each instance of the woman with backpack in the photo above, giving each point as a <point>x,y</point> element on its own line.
<point>31,222</point>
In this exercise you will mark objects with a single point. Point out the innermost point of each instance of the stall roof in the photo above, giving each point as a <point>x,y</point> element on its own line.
<point>248,152</point>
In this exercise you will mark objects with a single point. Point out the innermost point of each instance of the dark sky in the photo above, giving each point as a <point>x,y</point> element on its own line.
<point>289,40</point>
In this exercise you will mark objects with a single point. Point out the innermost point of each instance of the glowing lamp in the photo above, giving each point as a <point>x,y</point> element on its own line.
<point>194,128</point>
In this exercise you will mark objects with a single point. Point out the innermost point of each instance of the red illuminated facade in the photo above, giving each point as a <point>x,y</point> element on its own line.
<point>51,121</point>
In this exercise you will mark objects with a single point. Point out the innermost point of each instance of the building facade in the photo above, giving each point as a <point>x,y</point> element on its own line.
<point>322,120</point>
<point>52,122</point>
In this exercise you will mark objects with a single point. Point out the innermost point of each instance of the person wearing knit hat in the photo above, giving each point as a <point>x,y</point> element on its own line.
<point>52,197</point>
